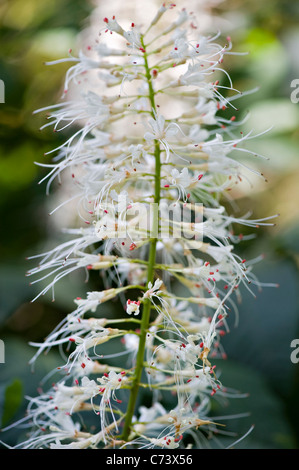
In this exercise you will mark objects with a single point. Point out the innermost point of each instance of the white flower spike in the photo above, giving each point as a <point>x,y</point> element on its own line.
<point>151,140</point>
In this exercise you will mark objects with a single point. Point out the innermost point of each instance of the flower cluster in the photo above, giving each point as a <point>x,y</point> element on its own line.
<point>152,161</point>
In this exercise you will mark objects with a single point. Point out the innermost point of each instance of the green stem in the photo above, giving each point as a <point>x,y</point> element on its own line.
<point>151,267</point>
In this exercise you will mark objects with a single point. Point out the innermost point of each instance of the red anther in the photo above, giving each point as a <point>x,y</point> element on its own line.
<point>141,49</point>
<point>224,356</point>
<point>189,380</point>
<point>88,48</point>
<point>223,108</point>
<point>188,195</point>
<point>105,374</point>
<point>123,372</point>
<point>175,48</point>
<point>118,401</point>
<point>73,176</point>
<point>123,243</point>
<point>166,186</point>
<point>213,391</point>
<point>72,340</point>
<point>132,246</point>
<point>113,17</point>
<point>228,38</point>
<point>106,20</point>
<point>243,260</point>
<point>89,267</point>
<point>217,82</point>
<point>76,381</point>
<point>129,301</point>
<point>218,386</point>
<point>222,333</point>
<point>199,177</point>
<point>211,273</point>
<point>105,210</point>
<point>226,287</point>
<point>233,118</point>
<point>183,345</point>
<point>220,316</point>
<point>207,263</point>
<point>119,380</point>
<point>174,65</point>
<point>154,73</point>
<point>83,365</point>
<point>132,25</point>
<point>201,345</point>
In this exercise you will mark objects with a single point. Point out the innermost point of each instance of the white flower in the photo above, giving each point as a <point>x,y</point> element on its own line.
<point>161,133</point>
<point>133,307</point>
<point>166,442</point>
<point>153,289</point>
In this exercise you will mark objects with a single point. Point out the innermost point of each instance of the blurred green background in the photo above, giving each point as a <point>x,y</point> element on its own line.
<point>33,32</point>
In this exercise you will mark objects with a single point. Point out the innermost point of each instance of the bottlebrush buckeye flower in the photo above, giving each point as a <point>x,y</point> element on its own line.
<point>150,157</point>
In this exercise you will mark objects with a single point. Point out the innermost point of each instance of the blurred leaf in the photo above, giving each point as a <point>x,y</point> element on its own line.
<point>279,114</point>
<point>12,280</point>
<point>268,323</point>
<point>281,151</point>
<point>13,396</point>
<point>267,60</point>
<point>18,170</point>
<point>54,43</point>
<point>288,240</point>
<point>265,410</point>
<point>16,367</point>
